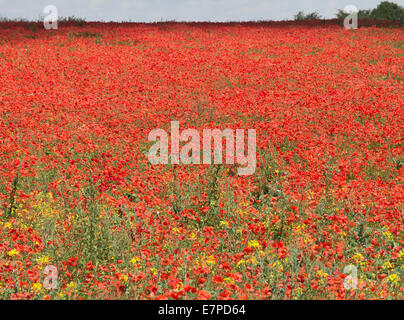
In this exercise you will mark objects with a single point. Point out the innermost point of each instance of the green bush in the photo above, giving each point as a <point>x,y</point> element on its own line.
<point>307,16</point>
<point>388,11</point>
<point>384,11</point>
<point>362,14</point>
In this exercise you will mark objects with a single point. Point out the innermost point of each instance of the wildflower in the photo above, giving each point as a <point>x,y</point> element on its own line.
<point>71,285</point>
<point>135,260</point>
<point>13,252</point>
<point>211,260</point>
<point>252,260</point>
<point>254,244</point>
<point>322,274</point>
<point>241,263</point>
<point>153,271</point>
<point>42,260</point>
<point>201,280</point>
<point>393,278</point>
<point>297,292</point>
<point>123,277</point>
<point>387,233</point>
<point>37,287</point>
<point>229,280</point>
<point>300,228</point>
<point>277,266</point>
<point>224,223</point>
<point>387,265</point>
<point>358,258</point>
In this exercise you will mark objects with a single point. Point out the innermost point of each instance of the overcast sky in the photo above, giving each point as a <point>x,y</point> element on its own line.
<point>183,10</point>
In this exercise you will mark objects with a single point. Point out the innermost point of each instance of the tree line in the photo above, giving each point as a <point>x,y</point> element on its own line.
<point>384,11</point>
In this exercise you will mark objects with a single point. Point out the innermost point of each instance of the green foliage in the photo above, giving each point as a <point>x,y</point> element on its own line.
<point>300,16</point>
<point>362,14</point>
<point>84,34</point>
<point>384,11</point>
<point>73,19</point>
<point>388,11</point>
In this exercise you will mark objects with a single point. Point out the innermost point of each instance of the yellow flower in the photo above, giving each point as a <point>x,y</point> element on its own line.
<point>393,278</point>
<point>297,292</point>
<point>180,285</point>
<point>300,228</point>
<point>322,274</point>
<point>123,277</point>
<point>229,280</point>
<point>254,244</point>
<point>42,260</point>
<point>357,257</point>
<point>387,265</point>
<point>224,223</point>
<point>211,260</point>
<point>387,233</point>
<point>240,263</point>
<point>71,285</point>
<point>135,260</point>
<point>37,287</point>
<point>253,260</point>
<point>153,271</point>
<point>277,266</point>
<point>13,252</point>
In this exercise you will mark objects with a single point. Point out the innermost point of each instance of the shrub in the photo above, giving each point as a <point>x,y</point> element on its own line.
<point>384,11</point>
<point>308,16</point>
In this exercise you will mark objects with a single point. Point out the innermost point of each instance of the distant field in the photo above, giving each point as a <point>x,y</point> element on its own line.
<point>78,192</point>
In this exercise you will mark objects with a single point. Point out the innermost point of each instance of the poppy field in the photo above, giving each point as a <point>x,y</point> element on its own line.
<point>85,215</point>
